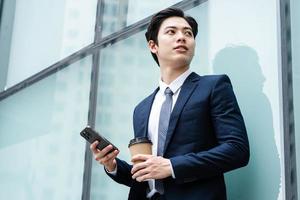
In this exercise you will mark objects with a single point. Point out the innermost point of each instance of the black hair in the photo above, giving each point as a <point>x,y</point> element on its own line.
<point>158,18</point>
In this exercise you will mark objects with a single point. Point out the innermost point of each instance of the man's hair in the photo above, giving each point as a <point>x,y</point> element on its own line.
<point>158,18</point>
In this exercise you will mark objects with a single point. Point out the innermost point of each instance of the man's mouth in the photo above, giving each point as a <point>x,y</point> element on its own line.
<point>181,48</point>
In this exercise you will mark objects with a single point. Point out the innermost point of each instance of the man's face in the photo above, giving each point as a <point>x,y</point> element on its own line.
<point>176,43</point>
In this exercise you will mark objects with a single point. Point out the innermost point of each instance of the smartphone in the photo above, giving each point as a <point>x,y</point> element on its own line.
<point>91,136</point>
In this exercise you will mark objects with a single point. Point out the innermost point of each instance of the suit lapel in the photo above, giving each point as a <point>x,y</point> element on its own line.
<point>145,114</point>
<point>186,90</point>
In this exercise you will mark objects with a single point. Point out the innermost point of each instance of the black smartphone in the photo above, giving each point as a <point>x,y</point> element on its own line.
<point>91,136</point>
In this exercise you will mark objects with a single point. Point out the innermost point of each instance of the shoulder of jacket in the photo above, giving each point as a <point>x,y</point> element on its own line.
<point>145,100</point>
<point>215,78</point>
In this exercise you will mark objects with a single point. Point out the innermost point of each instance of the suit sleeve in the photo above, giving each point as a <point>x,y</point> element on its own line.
<point>123,175</point>
<point>232,149</point>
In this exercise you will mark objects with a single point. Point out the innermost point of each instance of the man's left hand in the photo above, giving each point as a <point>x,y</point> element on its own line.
<point>152,167</point>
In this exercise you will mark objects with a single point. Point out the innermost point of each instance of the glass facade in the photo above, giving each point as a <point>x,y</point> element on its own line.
<point>42,156</point>
<point>119,14</point>
<point>43,32</point>
<point>43,121</point>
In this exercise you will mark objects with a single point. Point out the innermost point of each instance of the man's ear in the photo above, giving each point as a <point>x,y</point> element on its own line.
<point>152,46</point>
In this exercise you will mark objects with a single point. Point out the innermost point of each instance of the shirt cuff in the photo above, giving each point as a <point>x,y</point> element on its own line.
<point>172,171</point>
<point>114,172</point>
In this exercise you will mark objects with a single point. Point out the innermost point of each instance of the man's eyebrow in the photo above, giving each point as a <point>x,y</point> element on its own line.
<point>174,27</point>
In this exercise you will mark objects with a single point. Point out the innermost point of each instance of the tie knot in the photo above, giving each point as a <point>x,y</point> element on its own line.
<point>168,92</point>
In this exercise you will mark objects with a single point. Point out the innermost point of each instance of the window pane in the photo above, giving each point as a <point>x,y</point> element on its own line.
<point>42,154</point>
<point>47,31</point>
<point>119,14</point>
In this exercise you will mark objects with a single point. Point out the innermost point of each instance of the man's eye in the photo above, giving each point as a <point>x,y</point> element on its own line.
<point>189,33</point>
<point>170,31</point>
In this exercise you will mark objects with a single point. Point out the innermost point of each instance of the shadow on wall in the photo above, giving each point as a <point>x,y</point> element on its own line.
<point>260,180</point>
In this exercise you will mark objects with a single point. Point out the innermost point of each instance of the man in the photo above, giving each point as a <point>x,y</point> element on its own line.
<point>193,121</point>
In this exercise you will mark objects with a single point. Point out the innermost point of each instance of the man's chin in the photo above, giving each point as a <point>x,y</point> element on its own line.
<point>182,62</point>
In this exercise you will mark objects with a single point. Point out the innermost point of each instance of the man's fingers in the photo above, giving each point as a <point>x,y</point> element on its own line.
<point>109,156</point>
<point>105,156</point>
<point>138,167</point>
<point>139,157</point>
<point>143,178</point>
<point>99,154</point>
<point>106,150</point>
<point>93,147</point>
<point>102,153</point>
<point>141,173</point>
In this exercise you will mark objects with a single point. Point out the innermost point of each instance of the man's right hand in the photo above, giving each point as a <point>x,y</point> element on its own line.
<point>108,160</point>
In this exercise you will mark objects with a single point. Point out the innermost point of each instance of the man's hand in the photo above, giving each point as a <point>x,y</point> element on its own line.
<point>152,167</point>
<point>108,160</point>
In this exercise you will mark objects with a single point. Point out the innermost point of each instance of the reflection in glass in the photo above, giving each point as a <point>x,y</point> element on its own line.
<point>250,58</point>
<point>256,181</point>
<point>47,31</point>
<point>121,13</point>
<point>42,154</point>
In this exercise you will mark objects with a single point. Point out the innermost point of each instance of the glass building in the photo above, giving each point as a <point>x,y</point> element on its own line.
<point>68,63</point>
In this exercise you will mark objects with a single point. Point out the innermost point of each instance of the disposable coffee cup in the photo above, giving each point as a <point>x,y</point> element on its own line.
<point>140,145</point>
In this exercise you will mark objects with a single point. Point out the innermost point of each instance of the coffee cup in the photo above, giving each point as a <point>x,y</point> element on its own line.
<point>140,145</point>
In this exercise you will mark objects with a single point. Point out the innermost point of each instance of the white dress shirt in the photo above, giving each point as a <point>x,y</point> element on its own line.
<point>160,97</point>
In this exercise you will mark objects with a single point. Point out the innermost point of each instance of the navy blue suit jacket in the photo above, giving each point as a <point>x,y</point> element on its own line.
<point>206,138</point>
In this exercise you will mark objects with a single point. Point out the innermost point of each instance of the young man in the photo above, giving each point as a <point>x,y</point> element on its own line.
<point>193,121</point>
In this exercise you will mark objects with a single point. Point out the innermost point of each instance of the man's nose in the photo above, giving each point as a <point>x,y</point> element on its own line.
<point>181,37</point>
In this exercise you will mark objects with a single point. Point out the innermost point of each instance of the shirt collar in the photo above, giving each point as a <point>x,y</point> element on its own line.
<point>176,84</point>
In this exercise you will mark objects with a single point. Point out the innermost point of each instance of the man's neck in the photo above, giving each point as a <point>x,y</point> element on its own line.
<point>168,74</point>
